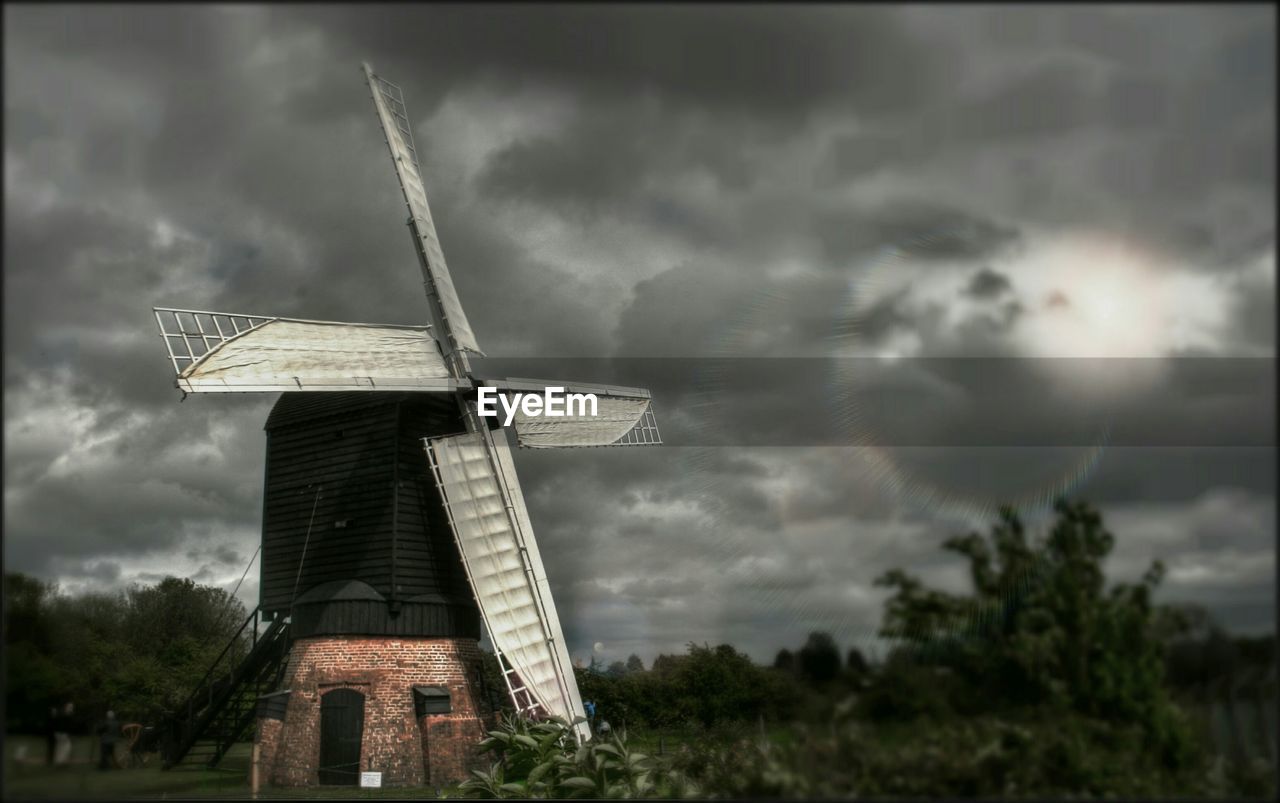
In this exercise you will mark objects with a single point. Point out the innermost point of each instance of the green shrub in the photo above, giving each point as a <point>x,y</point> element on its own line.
<point>1039,754</point>
<point>543,760</point>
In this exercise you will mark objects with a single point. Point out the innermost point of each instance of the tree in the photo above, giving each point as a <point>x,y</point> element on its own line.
<point>819,658</point>
<point>717,684</point>
<point>666,664</point>
<point>634,664</point>
<point>26,610</point>
<point>617,669</point>
<point>785,660</point>
<point>33,679</point>
<point>856,663</point>
<point>1040,628</point>
<point>706,686</point>
<point>137,651</point>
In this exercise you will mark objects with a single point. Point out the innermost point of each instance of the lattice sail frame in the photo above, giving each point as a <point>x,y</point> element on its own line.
<point>644,433</point>
<point>446,308</point>
<point>173,327</point>
<point>214,352</point>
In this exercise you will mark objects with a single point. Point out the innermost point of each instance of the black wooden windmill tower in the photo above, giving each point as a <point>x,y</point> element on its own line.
<point>393,529</point>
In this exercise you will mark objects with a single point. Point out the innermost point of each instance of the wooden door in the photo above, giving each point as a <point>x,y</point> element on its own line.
<point>341,729</point>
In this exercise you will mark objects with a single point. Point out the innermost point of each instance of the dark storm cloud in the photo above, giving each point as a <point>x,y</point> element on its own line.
<point>694,56</point>
<point>737,172</point>
<point>1255,315</point>
<point>987,283</point>
<point>1136,101</point>
<point>102,571</point>
<point>1049,99</point>
<point>881,318</point>
<point>911,228</point>
<point>618,153</point>
<point>191,471</point>
<point>1156,101</point>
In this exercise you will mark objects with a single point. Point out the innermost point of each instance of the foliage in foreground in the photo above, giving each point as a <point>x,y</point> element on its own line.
<point>542,760</point>
<point>986,756</point>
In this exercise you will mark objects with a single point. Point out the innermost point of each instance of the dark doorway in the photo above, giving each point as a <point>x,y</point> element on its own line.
<point>341,729</point>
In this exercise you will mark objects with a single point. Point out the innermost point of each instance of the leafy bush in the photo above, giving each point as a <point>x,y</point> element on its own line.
<point>543,760</point>
<point>985,757</point>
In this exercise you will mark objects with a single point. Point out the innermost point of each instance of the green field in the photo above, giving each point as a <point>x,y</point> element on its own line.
<point>31,779</point>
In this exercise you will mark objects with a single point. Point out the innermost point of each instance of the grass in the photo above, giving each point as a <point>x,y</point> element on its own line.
<point>31,779</point>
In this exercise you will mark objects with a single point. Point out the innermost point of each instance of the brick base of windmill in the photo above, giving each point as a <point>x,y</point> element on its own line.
<point>425,708</point>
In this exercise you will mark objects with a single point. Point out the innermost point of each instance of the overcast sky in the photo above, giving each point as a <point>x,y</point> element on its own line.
<point>902,188</point>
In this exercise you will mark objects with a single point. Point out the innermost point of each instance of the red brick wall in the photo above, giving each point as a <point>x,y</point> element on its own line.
<point>437,751</point>
<point>448,746</point>
<point>268,739</point>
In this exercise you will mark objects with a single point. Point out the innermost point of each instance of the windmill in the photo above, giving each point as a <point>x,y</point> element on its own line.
<point>393,519</point>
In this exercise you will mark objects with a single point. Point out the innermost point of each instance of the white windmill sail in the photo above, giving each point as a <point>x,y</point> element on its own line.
<point>229,352</point>
<point>478,484</point>
<point>615,418</point>
<point>394,116</point>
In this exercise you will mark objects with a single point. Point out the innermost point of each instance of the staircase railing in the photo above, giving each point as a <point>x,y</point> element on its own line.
<point>205,686</point>
<point>221,683</point>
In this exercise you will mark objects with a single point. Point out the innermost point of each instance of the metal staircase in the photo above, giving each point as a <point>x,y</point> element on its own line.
<point>221,709</point>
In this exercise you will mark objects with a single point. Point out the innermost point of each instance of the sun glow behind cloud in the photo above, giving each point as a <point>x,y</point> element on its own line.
<point>1093,297</point>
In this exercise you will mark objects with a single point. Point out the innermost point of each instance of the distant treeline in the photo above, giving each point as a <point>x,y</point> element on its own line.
<point>711,686</point>
<point>138,652</point>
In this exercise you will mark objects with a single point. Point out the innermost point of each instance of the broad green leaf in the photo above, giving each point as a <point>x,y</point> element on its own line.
<point>578,782</point>
<point>549,739</point>
<point>540,770</point>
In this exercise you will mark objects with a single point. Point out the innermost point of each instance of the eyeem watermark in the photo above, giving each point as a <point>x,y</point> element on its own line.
<point>553,403</point>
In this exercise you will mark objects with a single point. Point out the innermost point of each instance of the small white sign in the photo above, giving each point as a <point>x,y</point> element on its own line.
<point>373,779</point>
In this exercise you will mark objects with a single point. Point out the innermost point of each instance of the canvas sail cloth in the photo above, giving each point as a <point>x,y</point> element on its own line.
<point>286,355</point>
<point>509,582</point>
<point>615,417</point>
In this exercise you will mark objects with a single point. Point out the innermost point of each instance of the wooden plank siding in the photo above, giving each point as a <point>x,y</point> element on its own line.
<point>348,493</point>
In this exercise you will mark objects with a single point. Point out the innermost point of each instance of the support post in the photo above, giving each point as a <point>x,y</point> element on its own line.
<point>253,770</point>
